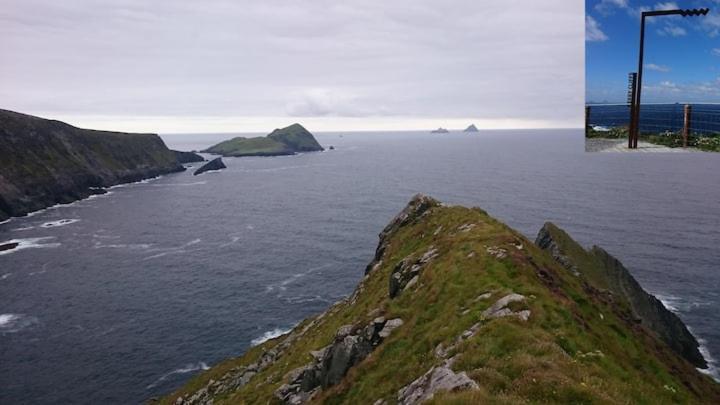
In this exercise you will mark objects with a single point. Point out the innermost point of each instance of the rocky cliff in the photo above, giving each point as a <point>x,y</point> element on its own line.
<point>456,307</point>
<point>46,162</point>
<point>283,141</point>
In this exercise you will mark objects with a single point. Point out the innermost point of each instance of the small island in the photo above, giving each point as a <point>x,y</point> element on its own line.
<point>471,128</point>
<point>280,142</point>
<point>440,130</point>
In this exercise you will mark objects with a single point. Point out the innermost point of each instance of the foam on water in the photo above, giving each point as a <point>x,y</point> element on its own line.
<point>271,334</point>
<point>12,323</point>
<point>60,222</point>
<point>188,368</point>
<point>29,243</point>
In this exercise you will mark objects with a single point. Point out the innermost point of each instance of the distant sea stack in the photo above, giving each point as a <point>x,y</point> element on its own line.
<point>215,164</point>
<point>471,128</point>
<point>45,162</point>
<point>440,130</point>
<point>284,141</point>
<point>188,157</point>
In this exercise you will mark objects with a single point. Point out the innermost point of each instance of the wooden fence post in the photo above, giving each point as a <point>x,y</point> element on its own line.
<point>686,124</point>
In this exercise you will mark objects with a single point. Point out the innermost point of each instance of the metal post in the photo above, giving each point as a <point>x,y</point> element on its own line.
<point>686,124</point>
<point>632,77</point>
<point>685,13</point>
<point>638,85</point>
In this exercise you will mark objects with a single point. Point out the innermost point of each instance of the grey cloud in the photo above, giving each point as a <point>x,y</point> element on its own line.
<point>460,58</point>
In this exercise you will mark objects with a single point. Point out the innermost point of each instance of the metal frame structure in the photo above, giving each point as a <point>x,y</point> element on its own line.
<point>635,107</point>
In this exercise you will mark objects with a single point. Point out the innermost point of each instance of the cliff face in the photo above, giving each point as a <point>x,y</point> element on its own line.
<point>456,307</point>
<point>283,141</point>
<point>606,273</point>
<point>45,162</point>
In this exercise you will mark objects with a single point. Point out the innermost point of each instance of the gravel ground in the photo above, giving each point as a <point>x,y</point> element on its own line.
<point>620,145</point>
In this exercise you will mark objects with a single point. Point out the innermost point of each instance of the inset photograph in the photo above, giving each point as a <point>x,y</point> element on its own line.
<point>652,76</point>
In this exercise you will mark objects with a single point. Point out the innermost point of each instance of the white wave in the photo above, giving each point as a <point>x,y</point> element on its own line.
<point>60,222</point>
<point>284,283</point>
<point>6,275</point>
<point>11,323</point>
<point>26,228</point>
<point>196,183</point>
<point>712,370</point>
<point>271,334</point>
<point>29,243</point>
<point>188,368</point>
<point>678,304</point>
<point>250,227</point>
<point>6,221</point>
<point>143,246</point>
<point>233,240</point>
<point>172,250</point>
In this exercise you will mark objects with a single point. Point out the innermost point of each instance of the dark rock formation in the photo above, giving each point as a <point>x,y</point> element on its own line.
<point>331,363</point>
<point>215,164</point>
<point>46,162</point>
<point>8,246</point>
<point>471,128</point>
<point>440,130</point>
<point>606,273</point>
<point>188,157</point>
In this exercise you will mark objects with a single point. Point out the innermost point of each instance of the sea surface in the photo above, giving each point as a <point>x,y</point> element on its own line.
<point>122,297</point>
<point>658,118</point>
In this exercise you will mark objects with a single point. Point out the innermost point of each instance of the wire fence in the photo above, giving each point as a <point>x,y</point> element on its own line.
<point>704,119</point>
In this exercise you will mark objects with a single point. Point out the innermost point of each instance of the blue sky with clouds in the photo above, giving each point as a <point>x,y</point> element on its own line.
<point>682,55</point>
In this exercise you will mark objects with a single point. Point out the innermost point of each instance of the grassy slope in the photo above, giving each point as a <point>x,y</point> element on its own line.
<point>297,138</point>
<point>249,147</point>
<point>542,360</point>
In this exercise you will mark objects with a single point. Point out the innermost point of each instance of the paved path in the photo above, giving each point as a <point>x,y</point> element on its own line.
<point>620,145</point>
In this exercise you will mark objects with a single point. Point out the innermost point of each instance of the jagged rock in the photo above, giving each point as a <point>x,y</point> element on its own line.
<point>188,157</point>
<point>417,206</point>
<point>436,379</point>
<point>500,309</point>
<point>471,128</point>
<point>330,363</point>
<point>409,269</point>
<point>606,273</point>
<point>390,326</point>
<point>545,241</point>
<point>215,164</point>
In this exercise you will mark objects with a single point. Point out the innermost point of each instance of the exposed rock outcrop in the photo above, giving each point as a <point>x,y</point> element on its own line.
<point>471,128</point>
<point>188,157</point>
<point>46,162</point>
<point>215,164</point>
<point>605,272</point>
<point>332,362</point>
<point>437,379</point>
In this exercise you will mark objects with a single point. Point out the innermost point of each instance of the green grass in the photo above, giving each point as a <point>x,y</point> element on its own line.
<point>543,360</point>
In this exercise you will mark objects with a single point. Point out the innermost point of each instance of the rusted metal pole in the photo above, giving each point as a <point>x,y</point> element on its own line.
<point>633,83</point>
<point>686,124</point>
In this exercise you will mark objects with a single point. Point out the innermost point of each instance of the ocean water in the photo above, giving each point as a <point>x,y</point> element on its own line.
<point>704,118</point>
<point>124,296</point>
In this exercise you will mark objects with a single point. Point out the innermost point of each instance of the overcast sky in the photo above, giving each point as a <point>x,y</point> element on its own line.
<point>191,66</point>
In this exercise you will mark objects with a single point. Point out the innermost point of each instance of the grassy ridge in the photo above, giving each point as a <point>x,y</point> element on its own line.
<point>577,346</point>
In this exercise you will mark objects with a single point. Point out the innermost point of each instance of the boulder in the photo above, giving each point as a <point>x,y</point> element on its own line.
<point>215,164</point>
<point>437,379</point>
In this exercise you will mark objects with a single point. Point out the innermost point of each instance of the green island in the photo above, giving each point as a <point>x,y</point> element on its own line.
<point>671,139</point>
<point>283,141</point>
<point>457,308</point>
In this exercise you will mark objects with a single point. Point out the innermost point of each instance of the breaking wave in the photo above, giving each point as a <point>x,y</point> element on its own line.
<point>28,243</point>
<point>60,222</point>
<point>271,334</point>
<point>188,368</point>
<point>11,323</point>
